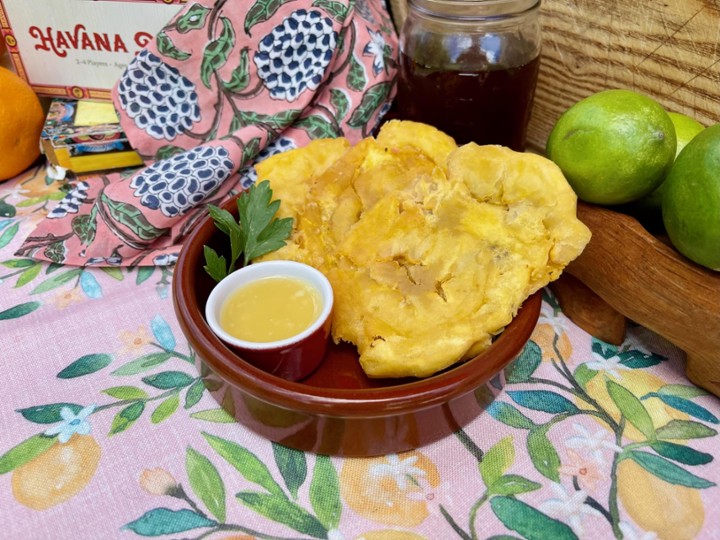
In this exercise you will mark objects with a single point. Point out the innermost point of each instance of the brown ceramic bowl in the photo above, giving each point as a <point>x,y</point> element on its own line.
<point>337,410</point>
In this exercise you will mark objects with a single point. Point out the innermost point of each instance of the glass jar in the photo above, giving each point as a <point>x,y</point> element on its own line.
<point>470,67</point>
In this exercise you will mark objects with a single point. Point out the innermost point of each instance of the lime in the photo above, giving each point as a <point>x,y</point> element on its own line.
<point>685,129</point>
<point>691,199</point>
<point>614,146</point>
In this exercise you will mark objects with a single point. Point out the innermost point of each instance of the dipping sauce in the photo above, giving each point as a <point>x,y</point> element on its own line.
<point>270,309</point>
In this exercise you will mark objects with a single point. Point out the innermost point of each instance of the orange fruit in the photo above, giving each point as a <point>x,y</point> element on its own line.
<point>58,474</point>
<point>691,199</point>
<point>614,146</point>
<point>21,121</point>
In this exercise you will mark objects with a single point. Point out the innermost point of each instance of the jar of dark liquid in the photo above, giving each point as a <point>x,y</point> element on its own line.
<point>470,67</point>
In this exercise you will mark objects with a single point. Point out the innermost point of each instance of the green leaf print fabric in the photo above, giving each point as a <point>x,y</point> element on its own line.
<point>224,84</point>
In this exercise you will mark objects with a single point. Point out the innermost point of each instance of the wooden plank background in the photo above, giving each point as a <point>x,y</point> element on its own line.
<point>668,49</point>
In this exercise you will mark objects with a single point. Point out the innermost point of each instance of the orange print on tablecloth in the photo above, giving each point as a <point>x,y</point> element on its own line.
<point>544,336</point>
<point>67,298</point>
<point>158,481</point>
<point>134,341</point>
<point>57,474</point>
<point>386,489</point>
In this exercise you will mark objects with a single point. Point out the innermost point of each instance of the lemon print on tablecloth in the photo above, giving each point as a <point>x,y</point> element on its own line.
<point>639,383</point>
<point>57,474</point>
<point>673,512</point>
<point>389,489</point>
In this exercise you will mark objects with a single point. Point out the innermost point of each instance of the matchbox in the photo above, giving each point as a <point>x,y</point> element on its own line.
<point>79,48</point>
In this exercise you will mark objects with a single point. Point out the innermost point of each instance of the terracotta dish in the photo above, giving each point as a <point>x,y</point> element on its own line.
<point>337,410</point>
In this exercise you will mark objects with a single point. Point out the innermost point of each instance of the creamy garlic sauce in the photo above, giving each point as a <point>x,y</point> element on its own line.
<point>270,309</point>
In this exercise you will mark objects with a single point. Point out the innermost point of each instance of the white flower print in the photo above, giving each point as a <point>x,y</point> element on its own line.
<point>72,423</point>
<point>335,534</point>
<point>376,49</point>
<point>400,470</point>
<point>611,365</point>
<point>548,316</point>
<point>595,443</point>
<point>569,507</point>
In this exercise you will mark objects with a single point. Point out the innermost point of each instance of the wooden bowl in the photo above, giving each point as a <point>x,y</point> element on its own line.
<point>641,277</point>
<point>338,410</point>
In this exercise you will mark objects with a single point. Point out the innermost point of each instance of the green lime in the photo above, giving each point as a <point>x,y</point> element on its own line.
<point>614,146</point>
<point>691,199</point>
<point>685,129</point>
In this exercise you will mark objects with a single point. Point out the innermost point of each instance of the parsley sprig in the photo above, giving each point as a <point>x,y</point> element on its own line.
<point>256,232</point>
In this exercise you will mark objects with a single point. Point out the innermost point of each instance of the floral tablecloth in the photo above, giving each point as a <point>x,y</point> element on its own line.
<point>108,430</point>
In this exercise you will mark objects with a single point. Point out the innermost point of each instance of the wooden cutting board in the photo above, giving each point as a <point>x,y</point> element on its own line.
<point>668,49</point>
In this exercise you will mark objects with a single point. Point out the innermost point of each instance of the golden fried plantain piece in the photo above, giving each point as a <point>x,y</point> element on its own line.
<point>431,249</point>
<point>291,169</point>
<point>432,142</point>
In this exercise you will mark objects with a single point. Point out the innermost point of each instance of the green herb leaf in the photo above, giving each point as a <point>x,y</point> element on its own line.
<point>271,238</point>
<point>225,221</point>
<point>257,233</point>
<point>215,264</point>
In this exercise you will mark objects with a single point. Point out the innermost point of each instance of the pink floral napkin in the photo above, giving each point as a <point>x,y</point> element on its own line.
<point>225,84</point>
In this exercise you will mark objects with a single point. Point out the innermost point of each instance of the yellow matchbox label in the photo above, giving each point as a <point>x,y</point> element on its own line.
<point>93,113</point>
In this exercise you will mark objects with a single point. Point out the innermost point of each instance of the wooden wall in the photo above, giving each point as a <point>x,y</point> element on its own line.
<point>668,49</point>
